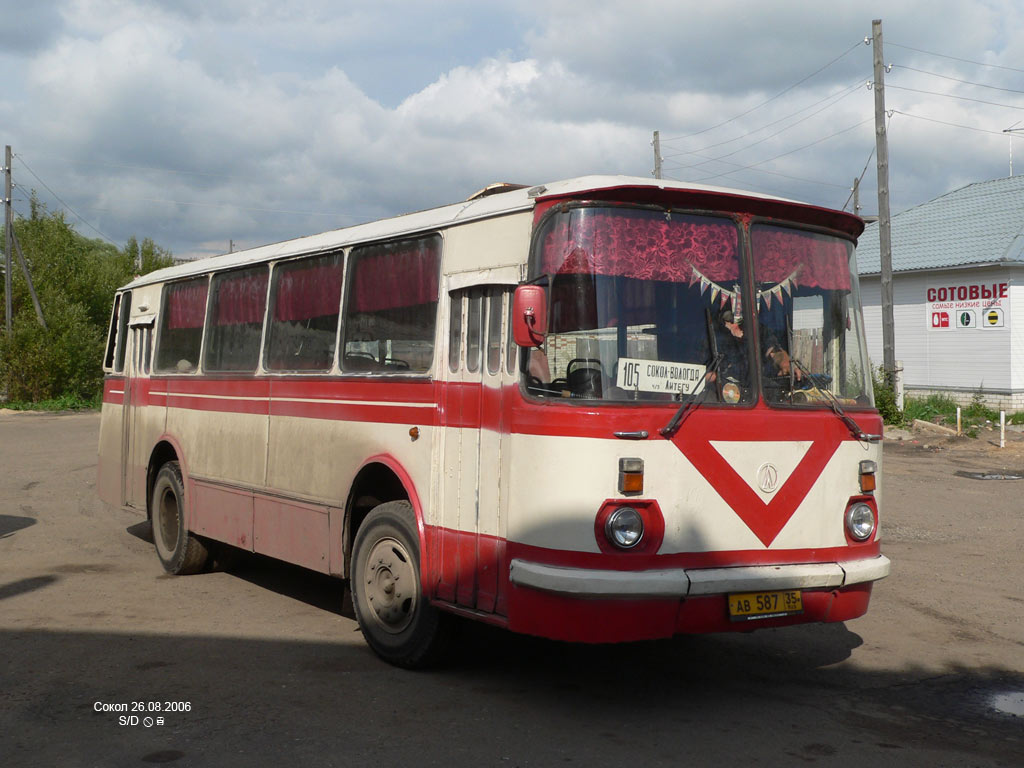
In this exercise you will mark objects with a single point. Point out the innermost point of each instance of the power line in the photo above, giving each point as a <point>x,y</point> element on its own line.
<point>790,152</point>
<point>860,178</point>
<point>944,122</point>
<point>70,209</point>
<point>775,173</point>
<point>954,58</point>
<point>124,166</point>
<point>951,96</point>
<point>841,95</point>
<point>778,132</point>
<point>773,98</point>
<point>956,79</point>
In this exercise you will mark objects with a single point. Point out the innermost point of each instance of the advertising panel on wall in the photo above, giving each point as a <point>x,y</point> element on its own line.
<point>967,306</point>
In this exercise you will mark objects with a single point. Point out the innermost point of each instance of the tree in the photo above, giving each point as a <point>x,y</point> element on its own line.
<point>75,278</point>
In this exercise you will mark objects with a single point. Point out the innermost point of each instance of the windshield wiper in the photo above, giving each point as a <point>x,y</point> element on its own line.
<point>693,403</point>
<point>833,402</point>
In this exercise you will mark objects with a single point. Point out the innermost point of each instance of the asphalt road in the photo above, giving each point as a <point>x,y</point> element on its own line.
<point>256,666</point>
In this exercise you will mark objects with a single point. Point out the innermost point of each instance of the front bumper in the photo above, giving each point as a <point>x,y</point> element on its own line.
<point>691,582</point>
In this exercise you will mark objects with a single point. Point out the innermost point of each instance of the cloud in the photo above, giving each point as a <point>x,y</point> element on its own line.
<point>197,123</point>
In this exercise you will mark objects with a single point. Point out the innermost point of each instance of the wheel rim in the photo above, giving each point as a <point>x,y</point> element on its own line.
<point>167,520</point>
<point>391,585</point>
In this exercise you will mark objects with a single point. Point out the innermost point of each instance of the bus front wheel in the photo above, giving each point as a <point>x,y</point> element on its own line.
<point>397,620</point>
<point>179,551</point>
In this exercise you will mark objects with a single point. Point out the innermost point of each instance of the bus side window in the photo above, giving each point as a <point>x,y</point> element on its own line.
<point>108,360</point>
<point>181,326</point>
<point>494,316</point>
<point>235,328</point>
<point>473,330</point>
<point>455,332</point>
<point>122,331</point>
<point>302,325</point>
<point>391,306</point>
<point>512,351</point>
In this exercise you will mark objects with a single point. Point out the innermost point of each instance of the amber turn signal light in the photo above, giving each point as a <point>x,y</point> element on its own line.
<point>631,475</point>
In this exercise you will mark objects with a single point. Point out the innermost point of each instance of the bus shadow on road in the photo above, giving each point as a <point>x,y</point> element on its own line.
<point>258,702</point>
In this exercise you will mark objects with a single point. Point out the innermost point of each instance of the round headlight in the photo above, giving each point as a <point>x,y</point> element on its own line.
<point>860,521</point>
<point>624,528</point>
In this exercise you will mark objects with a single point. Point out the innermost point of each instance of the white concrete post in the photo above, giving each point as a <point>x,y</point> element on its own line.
<point>897,383</point>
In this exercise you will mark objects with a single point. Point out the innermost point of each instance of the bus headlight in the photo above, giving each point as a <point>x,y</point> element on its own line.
<point>860,521</point>
<point>624,528</point>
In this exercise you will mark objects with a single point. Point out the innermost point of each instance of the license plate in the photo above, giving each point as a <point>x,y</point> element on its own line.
<point>748,606</point>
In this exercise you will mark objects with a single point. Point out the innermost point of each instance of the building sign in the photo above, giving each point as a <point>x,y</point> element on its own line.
<point>967,306</point>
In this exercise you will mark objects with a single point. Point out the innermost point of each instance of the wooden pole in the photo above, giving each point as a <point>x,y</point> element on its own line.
<point>884,233</point>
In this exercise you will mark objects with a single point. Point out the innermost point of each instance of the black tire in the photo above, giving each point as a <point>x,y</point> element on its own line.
<point>397,620</point>
<point>179,551</point>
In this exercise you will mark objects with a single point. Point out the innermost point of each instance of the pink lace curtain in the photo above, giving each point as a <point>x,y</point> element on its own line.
<point>310,288</point>
<point>818,261</point>
<point>186,304</point>
<point>395,275</point>
<point>641,244</point>
<point>241,297</point>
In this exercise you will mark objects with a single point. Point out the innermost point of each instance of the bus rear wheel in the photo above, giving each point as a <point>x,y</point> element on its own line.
<point>179,551</point>
<point>397,620</point>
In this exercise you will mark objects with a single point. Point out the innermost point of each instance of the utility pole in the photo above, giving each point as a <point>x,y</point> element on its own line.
<point>856,197</point>
<point>1012,130</point>
<point>8,239</point>
<point>657,154</point>
<point>884,232</point>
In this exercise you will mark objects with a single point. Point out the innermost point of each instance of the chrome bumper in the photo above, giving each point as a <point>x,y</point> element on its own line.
<point>688,582</point>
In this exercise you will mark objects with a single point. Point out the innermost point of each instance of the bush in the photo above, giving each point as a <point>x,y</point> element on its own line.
<point>75,279</point>
<point>885,399</point>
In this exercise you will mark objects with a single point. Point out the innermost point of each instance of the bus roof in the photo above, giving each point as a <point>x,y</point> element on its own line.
<point>476,208</point>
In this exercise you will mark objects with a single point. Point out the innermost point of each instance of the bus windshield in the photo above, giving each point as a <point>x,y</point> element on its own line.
<point>648,305</point>
<point>811,332</point>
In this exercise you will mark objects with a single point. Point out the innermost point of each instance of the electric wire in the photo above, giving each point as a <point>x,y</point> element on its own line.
<point>58,198</point>
<point>956,79</point>
<point>790,152</point>
<point>778,132</point>
<point>954,58</point>
<point>951,96</point>
<point>860,178</point>
<point>945,122</point>
<point>773,98</point>
<point>838,97</point>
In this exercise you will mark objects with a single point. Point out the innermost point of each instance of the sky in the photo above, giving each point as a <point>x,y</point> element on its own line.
<point>211,124</point>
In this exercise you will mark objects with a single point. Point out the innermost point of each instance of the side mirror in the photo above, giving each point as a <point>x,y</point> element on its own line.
<point>529,315</point>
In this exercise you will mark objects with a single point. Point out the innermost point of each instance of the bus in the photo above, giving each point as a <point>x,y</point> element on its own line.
<point>604,409</point>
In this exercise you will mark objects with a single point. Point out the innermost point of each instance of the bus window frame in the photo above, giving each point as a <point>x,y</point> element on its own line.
<point>441,328</point>
<point>197,369</point>
<point>258,369</point>
<point>332,370</point>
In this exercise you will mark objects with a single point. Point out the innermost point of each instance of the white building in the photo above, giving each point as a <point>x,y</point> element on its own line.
<point>958,293</point>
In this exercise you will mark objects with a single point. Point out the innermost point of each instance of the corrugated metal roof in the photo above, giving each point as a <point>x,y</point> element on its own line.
<point>977,224</point>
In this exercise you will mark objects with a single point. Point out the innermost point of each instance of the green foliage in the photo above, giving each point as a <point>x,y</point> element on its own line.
<point>930,408</point>
<point>75,278</point>
<point>978,411</point>
<point>1015,418</point>
<point>885,399</point>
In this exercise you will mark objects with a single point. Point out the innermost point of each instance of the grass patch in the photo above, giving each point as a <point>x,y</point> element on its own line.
<point>62,403</point>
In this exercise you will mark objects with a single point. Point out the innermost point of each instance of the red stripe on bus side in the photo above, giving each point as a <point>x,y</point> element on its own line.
<point>473,406</point>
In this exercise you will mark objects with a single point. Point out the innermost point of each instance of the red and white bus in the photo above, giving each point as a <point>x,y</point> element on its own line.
<point>603,409</point>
